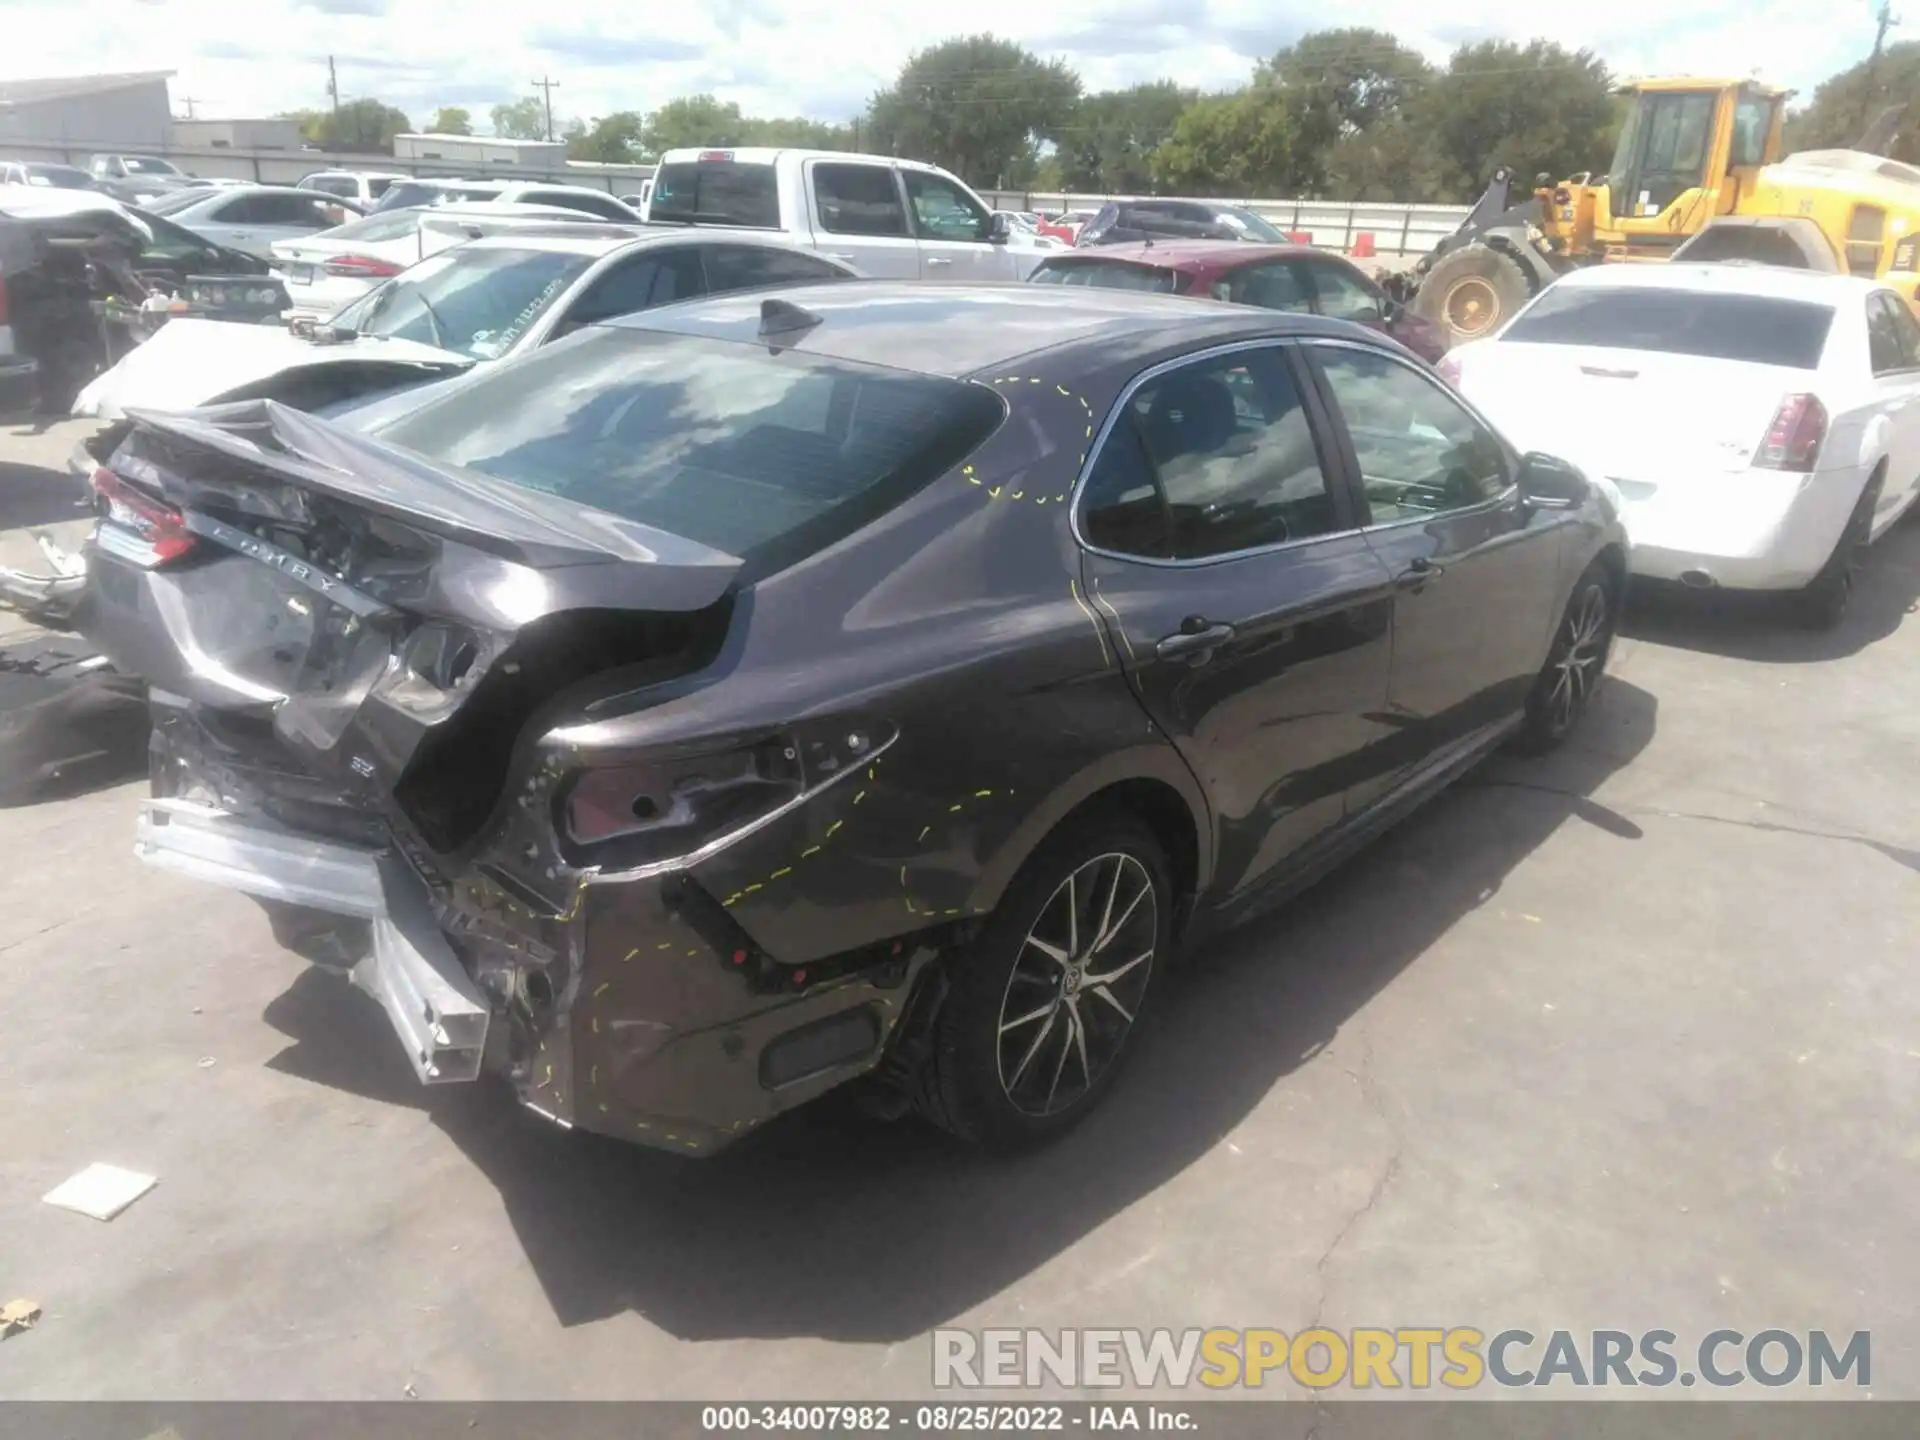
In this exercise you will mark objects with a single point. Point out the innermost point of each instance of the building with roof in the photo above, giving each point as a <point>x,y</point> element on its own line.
<point>272,134</point>
<point>109,112</point>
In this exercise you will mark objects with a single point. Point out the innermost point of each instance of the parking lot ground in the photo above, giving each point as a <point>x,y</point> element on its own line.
<point>1627,1038</point>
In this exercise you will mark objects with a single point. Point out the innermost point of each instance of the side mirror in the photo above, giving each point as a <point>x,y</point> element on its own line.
<point>999,229</point>
<point>1551,483</point>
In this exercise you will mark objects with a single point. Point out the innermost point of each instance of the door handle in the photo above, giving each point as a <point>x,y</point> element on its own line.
<point>1418,573</point>
<point>939,260</point>
<point>841,255</point>
<point>1195,640</point>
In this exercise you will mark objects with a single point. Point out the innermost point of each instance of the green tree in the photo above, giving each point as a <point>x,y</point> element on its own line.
<point>1107,143</point>
<point>450,120</point>
<point>364,127</point>
<point>1339,85</point>
<point>610,140</point>
<point>800,134</point>
<point>1844,105</point>
<point>1239,144</point>
<point>690,121</point>
<point>1536,107</point>
<point>522,120</point>
<point>976,105</point>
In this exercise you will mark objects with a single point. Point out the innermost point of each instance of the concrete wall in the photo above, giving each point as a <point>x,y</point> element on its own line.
<point>281,167</point>
<point>136,118</point>
<point>236,135</point>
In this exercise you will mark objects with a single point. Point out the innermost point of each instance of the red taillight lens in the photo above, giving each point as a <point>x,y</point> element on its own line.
<point>360,267</point>
<point>161,528</point>
<point>1792,441</point>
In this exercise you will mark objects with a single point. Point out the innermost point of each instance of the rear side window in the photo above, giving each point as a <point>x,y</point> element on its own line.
<point>658,277</point>
<point>1106,275</point>
<point>1223,450</point>
<point>1276,285</point>
<point>716,192</point>
<point>1755,328</point>
<point>1893,339</point>
<point>856,199</point>
<point>767,457</point>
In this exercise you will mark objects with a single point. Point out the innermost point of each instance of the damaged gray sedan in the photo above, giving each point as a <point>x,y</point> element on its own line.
<point>860,683</point>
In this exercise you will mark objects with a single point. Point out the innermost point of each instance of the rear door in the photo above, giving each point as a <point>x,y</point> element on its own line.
<point>1475,570</point>
<point>1253,619</point>
<point>954,230</point>
<point>859,216</point>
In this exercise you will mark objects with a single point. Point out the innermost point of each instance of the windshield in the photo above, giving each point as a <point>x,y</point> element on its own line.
<point>716,192</point>
<point>1106,275</point>
<point>727,444</point>
<point>1248,225</point>
<point>60,177</point>
<point>1754,328</point>
<point>149,165</point>
<point>476,302</point>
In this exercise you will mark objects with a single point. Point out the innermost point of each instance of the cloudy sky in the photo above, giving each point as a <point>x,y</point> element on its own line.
<point>822,58</point>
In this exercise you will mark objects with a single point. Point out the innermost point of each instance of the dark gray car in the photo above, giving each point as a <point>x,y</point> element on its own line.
<point>861,682</point>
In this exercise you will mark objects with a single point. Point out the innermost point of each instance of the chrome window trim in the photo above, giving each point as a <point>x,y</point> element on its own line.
<point>1505,497</point>
<point>1119,408</point>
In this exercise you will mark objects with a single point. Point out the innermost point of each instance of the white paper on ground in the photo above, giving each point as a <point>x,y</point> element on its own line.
<point>101,1191</point>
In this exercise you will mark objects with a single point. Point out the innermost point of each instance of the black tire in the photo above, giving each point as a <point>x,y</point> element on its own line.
<point>1472,291</point>
<point>1821,604</point>
<point>1576,662</point>
<point>1003,1068</point>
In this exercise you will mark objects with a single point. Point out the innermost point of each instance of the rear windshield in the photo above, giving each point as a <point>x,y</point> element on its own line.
<point>1755,328</point>
<point>765,456</point>
<point>1106,275</point>
<point>388,225</point>
<point>177,200</point>
<point>715,192</point>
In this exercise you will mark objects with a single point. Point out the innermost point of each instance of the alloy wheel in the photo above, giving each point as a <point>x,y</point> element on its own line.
<point>1582,653</point>
<point>1471,307</point>
<point>1077,984</point>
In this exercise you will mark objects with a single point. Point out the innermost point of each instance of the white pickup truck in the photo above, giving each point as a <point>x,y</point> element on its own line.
<point>891,219</point>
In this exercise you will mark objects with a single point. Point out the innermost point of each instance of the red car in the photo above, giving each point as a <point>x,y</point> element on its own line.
<point>1274,277</point>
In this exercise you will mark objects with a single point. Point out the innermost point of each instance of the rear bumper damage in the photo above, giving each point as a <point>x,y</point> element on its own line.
<point>633,1014</point>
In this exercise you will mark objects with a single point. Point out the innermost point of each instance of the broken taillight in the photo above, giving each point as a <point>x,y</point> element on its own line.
<point>1792,441</point>
<point>359,267</point>
<point>160,529</point>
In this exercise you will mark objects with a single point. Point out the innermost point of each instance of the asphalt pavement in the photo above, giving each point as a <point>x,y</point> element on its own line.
<point>1627,1038</point>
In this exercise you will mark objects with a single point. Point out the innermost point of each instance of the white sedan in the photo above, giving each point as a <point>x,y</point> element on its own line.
<point>252,217</point>
<point>1760,426</point>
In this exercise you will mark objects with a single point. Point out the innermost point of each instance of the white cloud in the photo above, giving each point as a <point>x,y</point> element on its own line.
<point>824,57</point>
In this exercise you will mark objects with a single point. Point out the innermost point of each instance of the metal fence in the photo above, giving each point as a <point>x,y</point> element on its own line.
<point>1333,224</point>
<point>285,167</point>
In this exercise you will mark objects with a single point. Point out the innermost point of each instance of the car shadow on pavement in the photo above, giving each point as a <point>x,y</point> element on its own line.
<point>828,1225</point>
<point>34,495</point>
<point>1761,627</point>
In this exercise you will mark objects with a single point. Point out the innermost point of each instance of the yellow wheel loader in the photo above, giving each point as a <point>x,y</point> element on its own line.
<point>1696,158</point>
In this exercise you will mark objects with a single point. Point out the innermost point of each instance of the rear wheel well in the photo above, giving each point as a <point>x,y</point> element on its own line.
<point>1164,811</point>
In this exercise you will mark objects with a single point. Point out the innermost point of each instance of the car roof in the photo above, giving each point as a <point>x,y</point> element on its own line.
<point>1191,254</point>
<point>29,202</point>
<point>1724,278</point>
<point>963,330</point>
<point>594,240</point>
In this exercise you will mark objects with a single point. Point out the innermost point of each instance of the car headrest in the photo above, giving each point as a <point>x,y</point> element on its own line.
<point>1191,414</point>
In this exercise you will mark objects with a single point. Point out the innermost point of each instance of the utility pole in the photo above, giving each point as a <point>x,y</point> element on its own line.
<point>333,86</point>
<point>547,87</point>
<point>189,101</point>
<point>1885,19</point>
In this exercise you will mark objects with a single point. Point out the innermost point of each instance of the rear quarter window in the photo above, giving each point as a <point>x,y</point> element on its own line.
<point>1758,329</point>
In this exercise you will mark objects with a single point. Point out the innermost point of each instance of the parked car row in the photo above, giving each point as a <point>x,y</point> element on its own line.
<point>685,674</point>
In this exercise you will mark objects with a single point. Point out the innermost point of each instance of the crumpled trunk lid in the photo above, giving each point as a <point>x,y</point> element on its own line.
<point>388,626</point>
